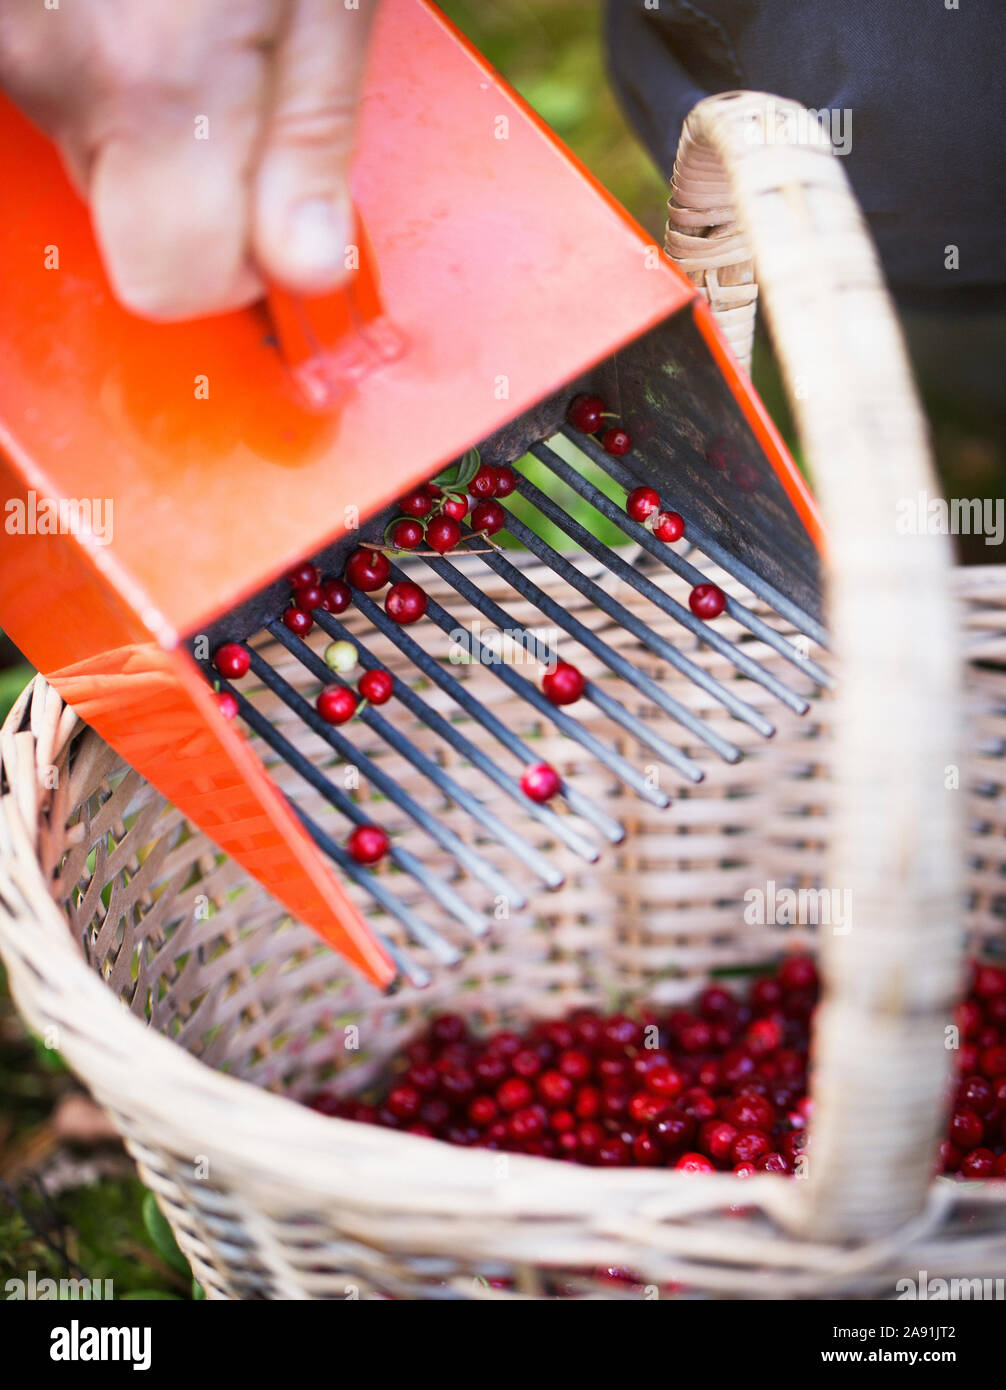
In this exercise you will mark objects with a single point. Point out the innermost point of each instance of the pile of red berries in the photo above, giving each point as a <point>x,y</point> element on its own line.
<point>721,1086</point>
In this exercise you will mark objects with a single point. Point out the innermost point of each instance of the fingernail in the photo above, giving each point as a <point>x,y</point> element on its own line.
<point>318,235</point>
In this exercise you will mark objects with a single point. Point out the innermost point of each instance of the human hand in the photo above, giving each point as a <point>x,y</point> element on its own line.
<point>211,138</point>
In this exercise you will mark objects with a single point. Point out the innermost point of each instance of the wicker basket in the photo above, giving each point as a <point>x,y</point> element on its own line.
<point>199,1015</point>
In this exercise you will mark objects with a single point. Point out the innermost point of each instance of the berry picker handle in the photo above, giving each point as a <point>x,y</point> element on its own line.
<point>757,188</point>
<point>330,341</point>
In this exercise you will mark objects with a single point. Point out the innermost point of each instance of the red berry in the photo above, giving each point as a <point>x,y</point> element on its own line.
<point>302,574</point>
<point>749,1112</point>
<point>443,534</point>
<point>773,1163</point>
<point>226,703</point>
<point>368,844</point>
<point>616,442</point>
<point>749,1146</point>
<point>1000,1168</point>
<point>669,526</point>
<point>336,704</point>
<point>798,972</point>
<point>232,660</point>
<point>574,1064</point>
<point>744,1170</point>
<point>763,1036</point>
<point>707,601</point>
<point>406,534</point>
<point>716,1138</point>
<point>555,1088</point>
<point>641,503</point>
<point>968,1016</point>
<point>514,1094</point>
<point>766,994</point>
<point>993,1060</point>
<point>588,1102</point>
<point>644,1106</point>
<point>694,1163</point>
<point>418,503</point>
<point>966,1129</point>
<point>665,1081</point>
<point>563,685</point>
<point>612,1152</point>
<point>488,517</point>
<point>368,569</point>
<point>646,1151</point>
<point>540,783</point>
<point>526,1123</point>
<point>562,1121</point>
<point>671,1131</point>
<point>526,1062</point>
<point>376,686</point>
<point>404,1101</point>
<point>980,1163</point>
<point>310,597</point>
<point>484,483</point>
<point>336,595</point>
<point>990,980</point>
<point>585,413</point>
<point>405,603</point>
<point>299,622</point>
<point>456,507</point>
<point>978,1095</point>
<point>506,481</point>
<point>448,1028</point>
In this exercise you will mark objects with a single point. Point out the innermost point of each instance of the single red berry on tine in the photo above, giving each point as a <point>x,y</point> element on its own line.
<point>506,481</point>
<point>376,686</point>
<point>336,595</point>
<point>707,601</point>
<point>443,533</point>
<point>669,526</point>
<point>586,413</point>
<point>405,603</point>
<point>297,620</point>
<point>564,685</point>
<point>418,503</point>
<point>310,597</point>
<point>616,442</point>
<point>456,507</point>
<point>232,660</point>
<point>641,503</point>
<point>484,482</point>
<point>368,844</point>
<point>540,783</point>
<point>226,703</point>
<point>488,517</point>
<point>304,573</point>
<point>336,704</point>
<point>406,534</point>
<point>368,569</point>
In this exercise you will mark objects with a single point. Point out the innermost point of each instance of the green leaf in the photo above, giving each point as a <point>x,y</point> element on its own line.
<point>146,1295</point>
<point>162,1237</point>
<point>459,475</point>
<point>198,1292</point>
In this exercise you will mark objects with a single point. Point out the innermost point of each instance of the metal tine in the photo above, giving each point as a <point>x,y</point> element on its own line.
<point>530,692</point>
<point>416,927</point>
<point>582,805</point>
<point>704,631</point>
<point>616,662</point>
<point>434,720</point>
<point>703,541</point>
<point>435,828</point>
<point>440,779</point>
<point>410,648</point>
<point>436,886</point>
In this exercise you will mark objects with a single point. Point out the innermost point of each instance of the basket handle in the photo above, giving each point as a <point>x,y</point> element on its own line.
<point>753,188</point>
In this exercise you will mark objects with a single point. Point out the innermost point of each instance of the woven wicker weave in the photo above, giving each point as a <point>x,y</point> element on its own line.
<point>198,1014</point>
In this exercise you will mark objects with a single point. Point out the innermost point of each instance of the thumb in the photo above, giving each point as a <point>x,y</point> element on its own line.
<point>302,214</point>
